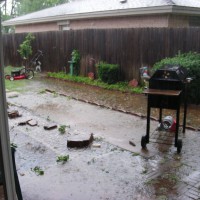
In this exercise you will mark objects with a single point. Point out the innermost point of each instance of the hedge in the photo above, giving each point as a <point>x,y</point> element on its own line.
<point>191,61</point>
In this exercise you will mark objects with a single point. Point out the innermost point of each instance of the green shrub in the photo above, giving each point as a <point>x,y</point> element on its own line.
<point>191,61</point>
<point>25,49</point>
<point>76,60</point>
<point>108,73</point>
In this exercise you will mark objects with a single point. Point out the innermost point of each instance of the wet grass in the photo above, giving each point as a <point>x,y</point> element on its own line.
<point>16,85</point>
<point>121,86</point>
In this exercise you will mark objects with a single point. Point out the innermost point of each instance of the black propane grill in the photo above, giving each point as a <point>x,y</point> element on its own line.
<point>167,89</point>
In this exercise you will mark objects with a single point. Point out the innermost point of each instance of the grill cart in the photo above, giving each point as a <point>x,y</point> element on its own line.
<point>167,89</point>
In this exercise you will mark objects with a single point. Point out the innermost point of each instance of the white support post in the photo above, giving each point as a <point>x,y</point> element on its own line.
<point>4,132</point>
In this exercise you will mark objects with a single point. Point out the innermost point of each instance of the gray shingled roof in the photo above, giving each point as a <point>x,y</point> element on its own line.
<point>90,7</point>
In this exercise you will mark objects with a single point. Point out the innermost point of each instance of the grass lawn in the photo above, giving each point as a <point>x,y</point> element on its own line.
<point>16,85</point>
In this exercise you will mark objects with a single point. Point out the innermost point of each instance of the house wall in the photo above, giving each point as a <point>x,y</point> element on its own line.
<point>159,21</point>
<point>178,21</point>
<point>37,27</point>
<point>122,22</point>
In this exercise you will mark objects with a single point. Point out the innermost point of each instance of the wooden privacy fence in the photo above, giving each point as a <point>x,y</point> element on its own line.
<point>130,48</point>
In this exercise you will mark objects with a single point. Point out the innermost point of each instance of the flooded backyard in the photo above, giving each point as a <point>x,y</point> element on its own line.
<point>111,168</point>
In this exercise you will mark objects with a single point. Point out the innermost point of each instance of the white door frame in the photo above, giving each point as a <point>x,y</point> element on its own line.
<point>9,186</point>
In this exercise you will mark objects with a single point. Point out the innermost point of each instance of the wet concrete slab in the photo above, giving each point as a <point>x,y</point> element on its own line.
<point>90,173</point>
<point>116,170</point>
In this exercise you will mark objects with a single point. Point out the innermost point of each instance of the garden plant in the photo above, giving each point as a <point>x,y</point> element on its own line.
<point>25,49</point>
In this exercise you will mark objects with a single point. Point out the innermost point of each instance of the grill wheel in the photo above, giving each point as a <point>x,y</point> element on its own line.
<point>143,142</point>
<point>179,146</point>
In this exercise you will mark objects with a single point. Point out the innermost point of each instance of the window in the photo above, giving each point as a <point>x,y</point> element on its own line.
<point>64,26</point>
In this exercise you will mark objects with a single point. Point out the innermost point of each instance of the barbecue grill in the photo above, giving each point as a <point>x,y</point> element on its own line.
<point>167,90</point>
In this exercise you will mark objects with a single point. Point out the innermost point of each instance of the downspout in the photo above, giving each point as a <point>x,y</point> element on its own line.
<point>9,184</point>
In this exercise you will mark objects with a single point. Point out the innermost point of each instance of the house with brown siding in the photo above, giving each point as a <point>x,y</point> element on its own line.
<point>103,14</point>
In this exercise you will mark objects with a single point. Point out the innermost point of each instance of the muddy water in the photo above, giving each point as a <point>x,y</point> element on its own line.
<point>133,103</point>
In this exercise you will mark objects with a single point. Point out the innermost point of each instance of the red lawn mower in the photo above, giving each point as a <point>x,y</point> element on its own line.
<point>20,74</point>
<point>27,73</point>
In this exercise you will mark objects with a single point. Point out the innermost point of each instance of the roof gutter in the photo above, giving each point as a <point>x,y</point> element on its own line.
<point>185,10</point>
<point>109,13</point>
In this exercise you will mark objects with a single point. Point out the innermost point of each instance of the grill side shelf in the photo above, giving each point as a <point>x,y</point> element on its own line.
<point>163,92</point>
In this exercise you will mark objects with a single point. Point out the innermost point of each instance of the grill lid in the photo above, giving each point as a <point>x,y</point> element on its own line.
<point>170,73</point>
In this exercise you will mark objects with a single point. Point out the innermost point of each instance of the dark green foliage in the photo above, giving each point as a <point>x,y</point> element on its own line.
<point>38,171</point>
<point>76,60</point>
<point>6,29</point>
<point>191,61</point>
<point>62,129</point>
<point>108,73</point>
<point>62,159</point>
<point>25,49</point>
